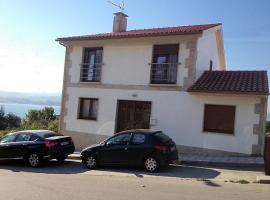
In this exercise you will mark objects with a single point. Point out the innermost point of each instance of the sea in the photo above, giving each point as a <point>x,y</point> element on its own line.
<point>22,109</point>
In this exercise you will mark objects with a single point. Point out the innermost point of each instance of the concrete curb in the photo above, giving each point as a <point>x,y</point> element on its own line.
<point>222,164</point>
<point>74,157</point>
<point>263,179</point>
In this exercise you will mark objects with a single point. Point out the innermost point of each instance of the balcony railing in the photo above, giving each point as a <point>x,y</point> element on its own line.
<point>90,72</point>
<point>165,73</point>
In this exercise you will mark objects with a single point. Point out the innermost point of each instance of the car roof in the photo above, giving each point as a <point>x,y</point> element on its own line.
<point>146,131</point>
<point>38,132</point>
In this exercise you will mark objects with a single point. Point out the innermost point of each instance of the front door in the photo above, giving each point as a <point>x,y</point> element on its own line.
<point>133,115</point>
<point>6,147</point>
<point>115,151</point>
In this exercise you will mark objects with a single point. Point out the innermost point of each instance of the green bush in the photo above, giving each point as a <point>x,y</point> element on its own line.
<point>3,132</point>
<point>40,119</point>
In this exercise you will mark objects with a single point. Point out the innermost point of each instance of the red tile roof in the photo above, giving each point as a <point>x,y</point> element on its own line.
<point>240,82</point>
<point>178,30</point>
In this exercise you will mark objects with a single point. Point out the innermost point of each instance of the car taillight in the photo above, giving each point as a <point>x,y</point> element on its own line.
<point>162,148</point>
<point>50,144</point>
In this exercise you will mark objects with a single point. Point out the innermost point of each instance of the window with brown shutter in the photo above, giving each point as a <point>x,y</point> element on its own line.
<point>219,118</point>
<point>88,108</point>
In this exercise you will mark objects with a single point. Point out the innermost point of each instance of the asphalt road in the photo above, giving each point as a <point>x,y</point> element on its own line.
<point>70,180</point>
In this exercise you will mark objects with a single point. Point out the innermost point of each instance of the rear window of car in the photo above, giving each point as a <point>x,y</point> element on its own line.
<point>162,137</point>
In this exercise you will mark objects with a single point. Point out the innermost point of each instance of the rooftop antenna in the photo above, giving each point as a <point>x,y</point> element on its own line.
<point>121,5</point>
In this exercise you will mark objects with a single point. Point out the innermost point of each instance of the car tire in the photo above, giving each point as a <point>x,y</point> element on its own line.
<point>34,160</point>
<point>61,158</point>
<point>90,162</point>
<point>151,164</point>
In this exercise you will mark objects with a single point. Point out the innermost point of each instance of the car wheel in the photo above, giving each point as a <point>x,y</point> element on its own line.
<point>151,164</point>
<point>34,160</point>
<point>91,162</point>
<point>61,158</point>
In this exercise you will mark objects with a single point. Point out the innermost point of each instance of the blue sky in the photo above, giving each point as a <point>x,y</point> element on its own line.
<point>30,56</point>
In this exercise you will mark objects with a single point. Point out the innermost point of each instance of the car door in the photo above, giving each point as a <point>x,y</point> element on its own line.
<point>6,146</point>
<point>115,150</point>
<point>138,148</point>
<point>19,146</point>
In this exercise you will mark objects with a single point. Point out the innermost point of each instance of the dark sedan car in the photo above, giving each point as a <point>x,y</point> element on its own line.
<point>150,149</point>
<point>34,146</point>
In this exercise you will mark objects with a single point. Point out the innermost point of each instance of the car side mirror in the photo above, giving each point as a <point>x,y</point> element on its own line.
<point>108,145</point>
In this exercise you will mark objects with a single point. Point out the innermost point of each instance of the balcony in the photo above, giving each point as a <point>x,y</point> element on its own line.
<point>90,72</point>
<point>165,73</point>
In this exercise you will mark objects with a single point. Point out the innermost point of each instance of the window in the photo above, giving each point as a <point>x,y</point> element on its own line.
<point>91,66</point>
<point>88,108</point>
<point>7,139</point>
<point>161,137</point>
<point>35,138</point>
<point>23,137</point>
<point>122,139</point>
<point>164,64</point>
<point>138,138</point>
<point>219,118</point>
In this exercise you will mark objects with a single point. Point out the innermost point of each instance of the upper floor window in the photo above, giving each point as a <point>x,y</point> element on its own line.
<point>164,64</point>
<point>88,108</point>
<point>91,66</point>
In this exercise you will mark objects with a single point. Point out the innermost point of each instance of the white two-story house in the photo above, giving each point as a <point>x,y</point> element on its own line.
<point>171,79</point>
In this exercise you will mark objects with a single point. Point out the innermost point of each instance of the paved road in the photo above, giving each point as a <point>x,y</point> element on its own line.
<point>71,180</point>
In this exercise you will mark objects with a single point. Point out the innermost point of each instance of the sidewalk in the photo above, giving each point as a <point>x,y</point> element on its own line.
<point>199,160</point>
<point>228,161</point>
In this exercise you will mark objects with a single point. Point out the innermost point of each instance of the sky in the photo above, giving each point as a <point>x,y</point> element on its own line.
<point>31,60</point>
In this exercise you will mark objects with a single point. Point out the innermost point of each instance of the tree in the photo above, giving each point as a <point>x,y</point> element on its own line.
<point>40,119</point>
<point>3,124</point>
<point>267,126</point>
<point>12,121</point>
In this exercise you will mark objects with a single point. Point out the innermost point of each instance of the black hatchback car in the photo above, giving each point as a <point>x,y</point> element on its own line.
<point>150,149</point>
<point>34,146</point>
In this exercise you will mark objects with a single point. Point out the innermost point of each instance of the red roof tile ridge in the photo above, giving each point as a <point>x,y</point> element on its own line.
<point>170,29</point>
<point>232,81</point>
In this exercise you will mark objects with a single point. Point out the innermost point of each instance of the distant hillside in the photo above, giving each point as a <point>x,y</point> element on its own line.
<point>30,98</point>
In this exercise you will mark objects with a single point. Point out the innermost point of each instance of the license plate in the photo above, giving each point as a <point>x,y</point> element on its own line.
<point>64,143</point>
<point>172,148</point>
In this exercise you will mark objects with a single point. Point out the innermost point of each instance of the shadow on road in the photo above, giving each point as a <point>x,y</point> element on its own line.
<point>176,171</point>
<point>75,167</point>
<point>49,167</point>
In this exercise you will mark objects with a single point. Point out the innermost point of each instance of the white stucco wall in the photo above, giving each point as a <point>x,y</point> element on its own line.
<point>179,114</point>
<point>127,63</point>
<point>207,50</point>
<point>131,57</point>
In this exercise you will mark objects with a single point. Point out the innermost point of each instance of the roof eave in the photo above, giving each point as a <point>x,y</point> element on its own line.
<point>229,92</point>
<point>68,39</point>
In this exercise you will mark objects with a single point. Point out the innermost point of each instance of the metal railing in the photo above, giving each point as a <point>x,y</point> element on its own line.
<point>90,72</point>
<point>165,73</point>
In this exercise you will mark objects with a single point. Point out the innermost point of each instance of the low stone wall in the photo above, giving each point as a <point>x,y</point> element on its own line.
<point>82,140</point>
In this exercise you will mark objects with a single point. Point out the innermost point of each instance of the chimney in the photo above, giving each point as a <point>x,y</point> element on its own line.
<point>120,22</point>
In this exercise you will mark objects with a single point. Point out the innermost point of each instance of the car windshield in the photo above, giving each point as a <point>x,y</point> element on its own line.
<point>162,137</point>
<point>47,134</point>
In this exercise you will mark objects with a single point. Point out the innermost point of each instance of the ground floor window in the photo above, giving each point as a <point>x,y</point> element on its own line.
<point>219,118</point>
<point>88,108</point>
